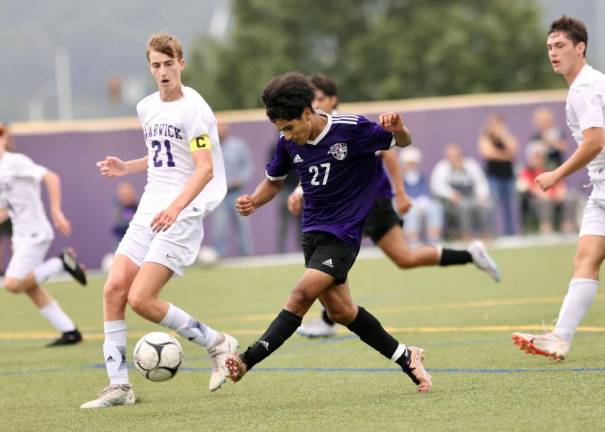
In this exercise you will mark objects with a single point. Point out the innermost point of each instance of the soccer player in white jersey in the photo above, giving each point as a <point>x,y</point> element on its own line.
<point>185,181</point>
<point>20,200</point>
<point>585,110</point>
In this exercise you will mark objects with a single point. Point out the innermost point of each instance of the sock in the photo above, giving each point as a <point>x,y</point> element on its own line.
<point>59,319</point>
<point>48,268</point>
<point>114,351</point>
<point>578,300</point>
<point>370,331</point>
<point>188,327</point>
<point>326,318</point>
<point>279,330</point>
<point>454,257</point>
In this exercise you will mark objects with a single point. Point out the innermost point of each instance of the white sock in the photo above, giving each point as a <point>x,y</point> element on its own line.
<point>114,351</point>
<point>48,268</point>
<point>188,327</point>
<point>59,319</point>
<point>401,349</point>
<point>578,300</point>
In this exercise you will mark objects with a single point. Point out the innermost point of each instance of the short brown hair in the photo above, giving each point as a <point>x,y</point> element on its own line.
<point>166,44</point>
<point>4,131</point>
<point>325,84</point>
<point>573,28</point>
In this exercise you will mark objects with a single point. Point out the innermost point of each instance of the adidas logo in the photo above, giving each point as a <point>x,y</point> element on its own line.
<point>328,263</point>
<point>265,344</point>
<point>298,159</point>
<point>109,359</point>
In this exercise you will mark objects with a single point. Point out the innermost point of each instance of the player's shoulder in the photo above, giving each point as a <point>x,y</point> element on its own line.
<point>16,158</point>
<point>195,98</point>
<point>147,102</point>
<point>347,119</point>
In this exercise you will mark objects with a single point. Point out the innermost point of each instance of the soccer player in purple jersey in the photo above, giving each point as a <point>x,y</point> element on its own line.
<point>334,157</point>
<point>383,223</point>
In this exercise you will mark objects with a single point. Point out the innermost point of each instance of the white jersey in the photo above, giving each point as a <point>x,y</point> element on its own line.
<point>20,194</point>
<point>172,131</point>
<point>585,108</point>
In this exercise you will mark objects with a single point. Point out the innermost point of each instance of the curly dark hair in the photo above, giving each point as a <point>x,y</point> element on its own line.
<point>573,28</point>
<point>324,83</point>
<point>287,96</point>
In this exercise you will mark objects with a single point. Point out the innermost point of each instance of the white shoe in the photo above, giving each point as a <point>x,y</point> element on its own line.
<point>549,345</point>
<point>483,260</point>
<point>317,327</point>
<point>113,395</point>
<point>225,344</point>
<point>416,371</point>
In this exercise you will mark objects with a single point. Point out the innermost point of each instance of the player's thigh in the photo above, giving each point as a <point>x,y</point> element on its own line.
<point>25,258</point>
<point>121,276</point>
<point>590,253</point>
<point>307,290</point>
<point>148,282</point>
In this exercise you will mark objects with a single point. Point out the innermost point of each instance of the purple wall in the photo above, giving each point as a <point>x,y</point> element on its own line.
<point>88,197</point>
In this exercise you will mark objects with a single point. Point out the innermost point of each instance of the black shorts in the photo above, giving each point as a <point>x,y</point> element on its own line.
<point>6,228</point>
<point>329,254</point>
<point>380,219</point>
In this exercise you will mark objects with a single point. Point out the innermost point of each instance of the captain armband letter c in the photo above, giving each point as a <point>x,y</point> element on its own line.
<point>201,142</point>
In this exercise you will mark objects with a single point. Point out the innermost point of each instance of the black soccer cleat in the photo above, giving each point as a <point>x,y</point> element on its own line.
<point>68,338</point>
<point>72,266</point>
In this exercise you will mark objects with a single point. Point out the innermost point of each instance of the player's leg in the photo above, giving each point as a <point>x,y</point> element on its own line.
<point>337,300</point>
<point>582,290</point>
<point>169,253</point>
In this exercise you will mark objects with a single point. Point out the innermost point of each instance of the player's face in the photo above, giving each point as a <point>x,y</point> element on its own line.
<point>166,71</point>
<point>297,130</point>
<point>324,102</point>
<point>562,53</point>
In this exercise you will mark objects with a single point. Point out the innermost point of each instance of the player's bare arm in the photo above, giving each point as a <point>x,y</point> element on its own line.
<point>112,166</point>
<point>393,122</point>
<point>295,201</point>
<point>593,143</point>
<point>264,192</point>
<point>53,186</point>
<point>3,215</point>
<point>403,202</point>
<point>203,173</point>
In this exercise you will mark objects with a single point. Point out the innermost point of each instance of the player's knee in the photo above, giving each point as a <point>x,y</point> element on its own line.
<point>405,260</point>
<point>13,286</point>
<point>115,290</point>
<point>301,298</point>
<point>138,303</point>
<point>341,315</point>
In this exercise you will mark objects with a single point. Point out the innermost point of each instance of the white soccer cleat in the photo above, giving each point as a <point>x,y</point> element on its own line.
<point>549,345</point>
<point>224,345</point>
<point>316,328</point>
<point>483,260</point>
<point>416,371</point>
<point>113,395</point>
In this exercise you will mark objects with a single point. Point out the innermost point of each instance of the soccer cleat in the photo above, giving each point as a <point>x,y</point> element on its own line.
<point>549,345</point>
<point>483,260</point>
<point>316,328</point>
<point>224,346</point>
<point>414,368</point>
<point>235,367</point>
<point>68,338</point>
<point>113,395</point>
<point>72,266</point>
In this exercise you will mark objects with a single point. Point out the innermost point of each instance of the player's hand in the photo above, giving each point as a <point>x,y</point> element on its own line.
<point>61,223</point>
<point>164,219</point>
<point>547,179</point>
<point>295,200</point>
<point>244,205</point>
<point>112,166</point>
<point>403,203</point>
<point>391,122</point>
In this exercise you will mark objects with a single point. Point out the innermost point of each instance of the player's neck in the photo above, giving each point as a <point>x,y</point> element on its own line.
<point>318,123</point>
<point>574,71</point>
<point>172,94</point>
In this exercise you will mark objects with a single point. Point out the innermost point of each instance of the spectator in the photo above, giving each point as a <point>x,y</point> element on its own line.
<point>499,147</point>
<point>546,131</point>
<point>461,184</point>
<point>544,205</point>
<point>238,170</point>
<point>126,206</point>
<point>425,211</point>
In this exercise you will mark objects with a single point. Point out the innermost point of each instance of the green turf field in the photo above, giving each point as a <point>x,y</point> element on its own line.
<point>462,319</point>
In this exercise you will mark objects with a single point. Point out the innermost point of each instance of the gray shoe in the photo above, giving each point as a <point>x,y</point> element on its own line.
<point>113,395</point>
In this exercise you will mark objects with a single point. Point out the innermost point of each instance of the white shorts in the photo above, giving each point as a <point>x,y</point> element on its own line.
<point>593,220</point>
<point>27,255</point>
<point>176,248</point>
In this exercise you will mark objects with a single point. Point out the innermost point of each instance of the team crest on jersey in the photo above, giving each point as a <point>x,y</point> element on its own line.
<point>339,151</point>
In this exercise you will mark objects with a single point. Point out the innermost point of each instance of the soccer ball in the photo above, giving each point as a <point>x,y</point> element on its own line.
<point>157,356</point>
<point>207,257</point>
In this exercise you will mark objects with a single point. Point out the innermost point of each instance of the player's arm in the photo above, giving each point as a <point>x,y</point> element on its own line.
<point>592,144</point>
<point>3,215</point>
<point>264,192</point>
<point>202,174</point>
<point>53,187</point>
<point>402,200</point>
<point>392,122</point>
<point>112,166</point>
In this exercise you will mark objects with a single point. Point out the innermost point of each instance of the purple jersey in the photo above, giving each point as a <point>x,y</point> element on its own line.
<point>383,186</point>
<point>338,174</point>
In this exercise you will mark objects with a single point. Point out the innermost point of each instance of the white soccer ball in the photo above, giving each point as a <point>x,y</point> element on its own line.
<point>208,256</point>
<point>106,262</point>
<point>158,356</point>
